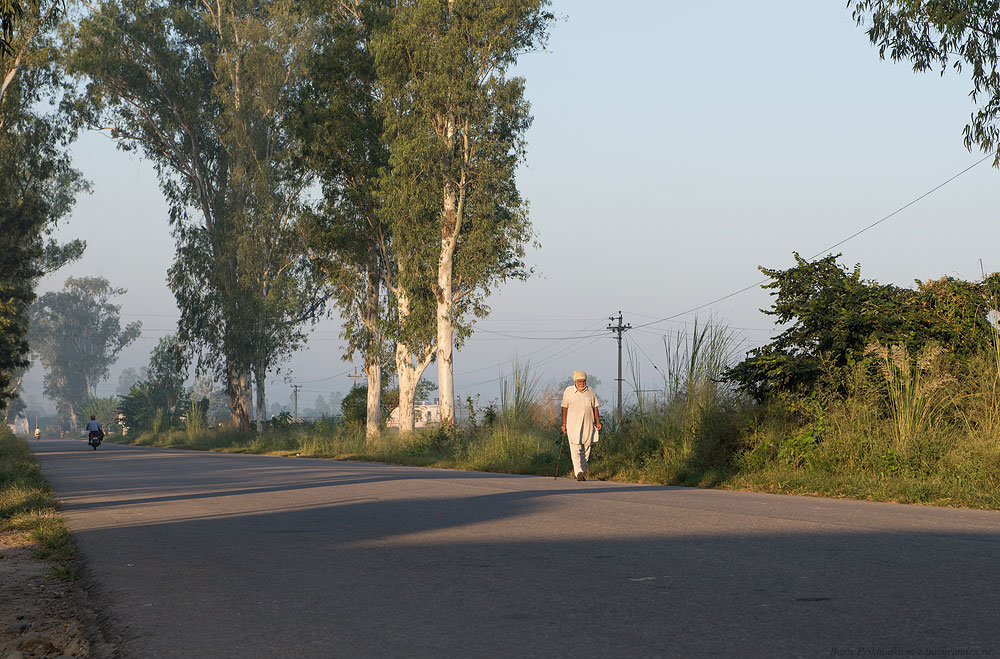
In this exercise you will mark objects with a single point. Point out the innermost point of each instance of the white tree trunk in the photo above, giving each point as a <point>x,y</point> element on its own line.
<point>373,369</point>
<point>407,377</point>
<point>261,399</point>
<point>445,335</point>
<point>409,368</point>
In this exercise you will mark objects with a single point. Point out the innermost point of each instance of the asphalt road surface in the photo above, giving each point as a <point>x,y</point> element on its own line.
<point>214,555</point>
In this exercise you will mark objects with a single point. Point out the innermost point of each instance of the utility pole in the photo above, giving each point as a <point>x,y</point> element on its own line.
<point>619,329</point>
<point>357,376</point>
<point>295,414</point>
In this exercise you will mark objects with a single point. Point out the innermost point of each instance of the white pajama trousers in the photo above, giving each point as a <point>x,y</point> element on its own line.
<point>580,454</point>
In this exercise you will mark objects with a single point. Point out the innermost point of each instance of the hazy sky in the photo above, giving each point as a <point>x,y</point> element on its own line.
<point>676,147</point>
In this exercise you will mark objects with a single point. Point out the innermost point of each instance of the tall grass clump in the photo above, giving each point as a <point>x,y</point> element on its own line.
<point>194,421</point>
<point>519,392</point>
<point>915,388</point>
<point>690,433</point>
<point>699,404</point>
<point>511,448</point>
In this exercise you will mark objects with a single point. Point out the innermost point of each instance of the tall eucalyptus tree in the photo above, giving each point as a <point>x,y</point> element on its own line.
<point>341,132</point>
<point>455,121</point>
<point>203,90</point>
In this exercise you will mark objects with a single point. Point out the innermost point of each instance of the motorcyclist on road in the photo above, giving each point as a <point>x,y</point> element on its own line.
<point>94,429</point>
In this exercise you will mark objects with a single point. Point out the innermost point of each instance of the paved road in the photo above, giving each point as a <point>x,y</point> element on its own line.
<point>215,555</point>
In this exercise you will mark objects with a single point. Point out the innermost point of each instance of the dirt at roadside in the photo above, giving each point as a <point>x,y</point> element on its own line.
<point>41,616</point>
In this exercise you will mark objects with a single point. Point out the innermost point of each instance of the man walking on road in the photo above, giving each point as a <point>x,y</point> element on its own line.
<point>580,419</point>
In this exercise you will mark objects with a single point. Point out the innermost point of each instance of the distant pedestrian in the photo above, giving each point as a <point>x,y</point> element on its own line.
<point>580,421</point>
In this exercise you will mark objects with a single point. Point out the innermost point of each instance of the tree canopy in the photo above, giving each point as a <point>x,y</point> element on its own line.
<point>962,35</point>
<point>454,124</point>
<point>830,315</point>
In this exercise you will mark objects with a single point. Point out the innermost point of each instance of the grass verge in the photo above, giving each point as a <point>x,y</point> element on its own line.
<point>27,505</point>
<point>638,454</point>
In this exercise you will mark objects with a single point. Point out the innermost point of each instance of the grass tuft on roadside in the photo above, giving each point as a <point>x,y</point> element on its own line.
<point>27,505</point>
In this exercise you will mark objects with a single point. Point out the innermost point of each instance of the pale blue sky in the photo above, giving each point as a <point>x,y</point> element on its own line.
<point>676,147</point>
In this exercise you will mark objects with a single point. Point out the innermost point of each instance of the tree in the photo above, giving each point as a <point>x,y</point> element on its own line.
<point>77,335</point>
<point>203,89</point>
<point>160,396</point>
<point>938,34</point>
<point>831,315</point>
<point>167,371</point>
<point>455,124</point>
<point>341,133</point>
<point>38,185</point>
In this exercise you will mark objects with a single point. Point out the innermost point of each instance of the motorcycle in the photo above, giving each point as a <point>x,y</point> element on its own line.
<point>94,439</point>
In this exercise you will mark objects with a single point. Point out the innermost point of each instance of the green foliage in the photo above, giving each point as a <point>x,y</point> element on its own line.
<point>797,450</point>
<point>354,406</point>
<point>337,122</point>
<point>159,400</point>
<point>454,123</point>
<point>105,409</point>
<point>831,316</point>
<point>943,34</point>
<point>10,12</point>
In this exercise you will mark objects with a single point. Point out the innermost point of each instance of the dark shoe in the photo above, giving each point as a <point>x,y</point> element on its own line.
<point>581,476</point>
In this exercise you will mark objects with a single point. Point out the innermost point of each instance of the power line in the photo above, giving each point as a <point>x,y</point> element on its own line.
<point>544,338</point>
<point>688,322</point>
<point>527,354</point>
<point>635,343</point>
<point>573,348</point>
<point>332,377</point>
<point>828,249</point>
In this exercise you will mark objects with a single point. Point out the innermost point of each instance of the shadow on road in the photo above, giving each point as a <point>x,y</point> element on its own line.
<point>345,559</point>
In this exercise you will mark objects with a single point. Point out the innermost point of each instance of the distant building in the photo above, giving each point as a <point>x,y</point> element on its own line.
<point>424,414</point>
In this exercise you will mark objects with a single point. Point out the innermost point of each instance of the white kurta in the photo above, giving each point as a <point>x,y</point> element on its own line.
<point>580,427</point>
<point>579,414</point>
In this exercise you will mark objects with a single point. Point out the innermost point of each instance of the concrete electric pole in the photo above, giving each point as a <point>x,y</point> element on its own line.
<point>619,329</point>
